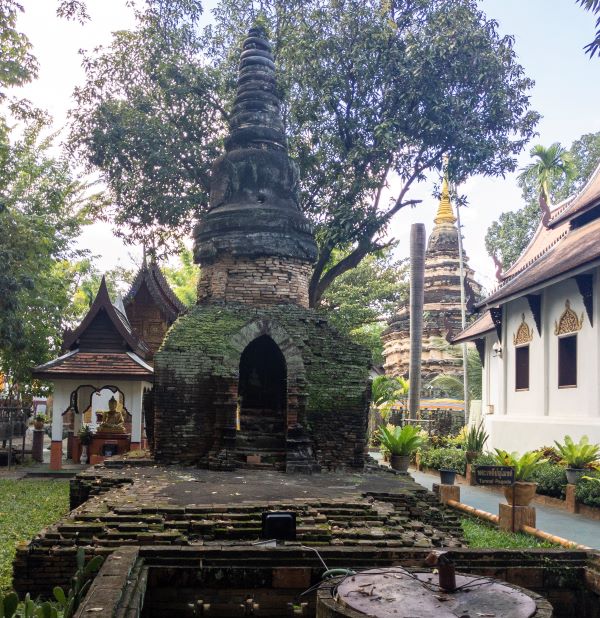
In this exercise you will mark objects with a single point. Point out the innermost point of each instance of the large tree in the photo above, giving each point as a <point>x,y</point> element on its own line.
<point>360,301</point>
<point>594,7</point>
<point>511,232</point>
<point>374,94</point>
<point>41,210</point>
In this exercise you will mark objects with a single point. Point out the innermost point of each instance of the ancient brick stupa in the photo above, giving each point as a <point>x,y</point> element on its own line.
<point>251,375</point>
<point>442,303</point>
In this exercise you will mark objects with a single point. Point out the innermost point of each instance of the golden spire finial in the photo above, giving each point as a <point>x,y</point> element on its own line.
<point>445,214</point>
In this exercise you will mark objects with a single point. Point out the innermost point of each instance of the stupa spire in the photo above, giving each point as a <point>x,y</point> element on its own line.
<point>256,118</point>
<point>445,214</point>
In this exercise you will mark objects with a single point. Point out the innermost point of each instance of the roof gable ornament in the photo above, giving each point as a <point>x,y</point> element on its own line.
<point>524,333</point>
<point>569,322</point>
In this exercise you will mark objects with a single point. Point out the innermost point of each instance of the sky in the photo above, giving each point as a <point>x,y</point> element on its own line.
<point>549,39</point>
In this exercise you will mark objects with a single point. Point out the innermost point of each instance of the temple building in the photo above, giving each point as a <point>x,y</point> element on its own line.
<point>442,303</point>
<point>252,376</point>
<point>106,368</point>
<point>539,332</point>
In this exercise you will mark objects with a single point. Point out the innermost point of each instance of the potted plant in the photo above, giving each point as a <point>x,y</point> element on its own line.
<point>447,476</point>
<point>475,441</point>
<point>523,491</point>
<point>85,435</point>
<point>401,442</point>
<point>39,420</point>
<point>577,456</point>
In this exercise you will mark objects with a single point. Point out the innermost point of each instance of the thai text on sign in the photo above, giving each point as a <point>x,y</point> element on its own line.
<point>494,475</point>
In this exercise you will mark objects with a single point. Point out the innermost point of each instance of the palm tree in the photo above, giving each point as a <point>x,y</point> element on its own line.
<point>417,274</point>
<point>452,384</point>
<point>549,163</point>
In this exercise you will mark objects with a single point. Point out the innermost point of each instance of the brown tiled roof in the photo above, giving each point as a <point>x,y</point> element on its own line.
<point>159,289</point>
<point>587,198</point>
<point>482,325</point>
<point>124,365</point>
<point>575,248</point>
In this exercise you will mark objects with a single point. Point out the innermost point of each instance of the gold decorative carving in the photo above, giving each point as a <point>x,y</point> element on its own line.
<point>524,333</point>
<point>569,322</point>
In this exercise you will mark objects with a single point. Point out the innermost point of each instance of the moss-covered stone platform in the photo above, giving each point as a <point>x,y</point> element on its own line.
<point>196,384</point>
<point>183,507</point>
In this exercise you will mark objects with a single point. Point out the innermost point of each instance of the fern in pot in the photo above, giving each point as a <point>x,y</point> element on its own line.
<point>577,456</point>
<point>475,441</point>
<point>401,443</point>
<point>524,490</point>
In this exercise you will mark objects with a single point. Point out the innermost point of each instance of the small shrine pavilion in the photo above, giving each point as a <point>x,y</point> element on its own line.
<point>111,350</point>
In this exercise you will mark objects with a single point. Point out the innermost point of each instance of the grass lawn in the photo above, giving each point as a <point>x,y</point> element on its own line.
<point>480,535</point>
<point>26,506</point>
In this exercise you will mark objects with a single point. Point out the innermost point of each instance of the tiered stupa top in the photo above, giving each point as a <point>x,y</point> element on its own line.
<point>254,209</point>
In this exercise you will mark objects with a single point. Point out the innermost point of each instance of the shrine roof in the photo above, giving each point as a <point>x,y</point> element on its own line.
<point>159,290</point>
<point>575,205</point>
<point>481,326</point>
<point>573,249</point>
<point>105,327</point>
<point>74,364</point>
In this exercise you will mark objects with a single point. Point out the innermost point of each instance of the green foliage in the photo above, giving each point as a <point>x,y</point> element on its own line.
<point>594,7</point>
<point>549,165</point>
<point>80,584</point>
<point>578,454</point>
<point>84,278</point>
<point>452,384</point>
<point>448,458</point>
<point>476,438</point>
<point>386,389</point>
<point>183,277</point>
<point>509,235</point>
<point>85,435</point>
<point>481,535</point>
<point>401,440</point>
<point>359,301</point>
<point>485,459</point>
<point>360,110</point>
<point>551,480</point>
<point>27,507</point>
<point>523,465</point>
<point>587,490</point>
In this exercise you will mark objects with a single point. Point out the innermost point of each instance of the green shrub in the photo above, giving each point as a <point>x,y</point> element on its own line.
<point>485,459</point>
<point>588,489</point>
<point>524,465</point>
<point>551,480</point>
<point>449,458</point>
<point>401,440</point>
<point>578,454</point>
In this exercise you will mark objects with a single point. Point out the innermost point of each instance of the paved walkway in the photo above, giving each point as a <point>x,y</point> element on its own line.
<point>560,523</point>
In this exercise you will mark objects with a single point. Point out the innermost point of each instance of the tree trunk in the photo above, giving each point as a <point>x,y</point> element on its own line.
<point>417,274</point>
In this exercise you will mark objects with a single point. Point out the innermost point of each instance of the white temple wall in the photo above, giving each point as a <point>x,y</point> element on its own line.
<point>545,412</point>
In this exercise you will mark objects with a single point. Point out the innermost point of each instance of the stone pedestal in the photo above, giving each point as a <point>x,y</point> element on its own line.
<point>470,475</point>
<point>37,448</point>
<point>448,492</point>
<point>570,499</point>
<point>56,455</point>
<point>523,516</point>
<point>107,444</point>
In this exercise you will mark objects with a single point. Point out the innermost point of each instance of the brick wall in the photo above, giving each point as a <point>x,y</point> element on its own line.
<point>197,371</point>
<point>259,281</point>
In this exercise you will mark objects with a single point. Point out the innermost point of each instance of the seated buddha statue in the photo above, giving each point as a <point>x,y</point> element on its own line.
<point>112,421</point>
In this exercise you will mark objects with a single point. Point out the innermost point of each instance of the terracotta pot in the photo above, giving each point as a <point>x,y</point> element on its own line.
<point>574,474</point>
<point>38,425</point>
<point>523,493</point>
<point>471,456</point>
<point>400,462</point>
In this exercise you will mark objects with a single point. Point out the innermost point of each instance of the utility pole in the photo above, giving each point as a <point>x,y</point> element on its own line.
<point>463,311</point>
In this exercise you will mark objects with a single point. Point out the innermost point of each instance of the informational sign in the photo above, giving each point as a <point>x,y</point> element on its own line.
<point>494,475</point>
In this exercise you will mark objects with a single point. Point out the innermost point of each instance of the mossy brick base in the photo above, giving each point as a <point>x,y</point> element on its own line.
<point>197,372</point>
